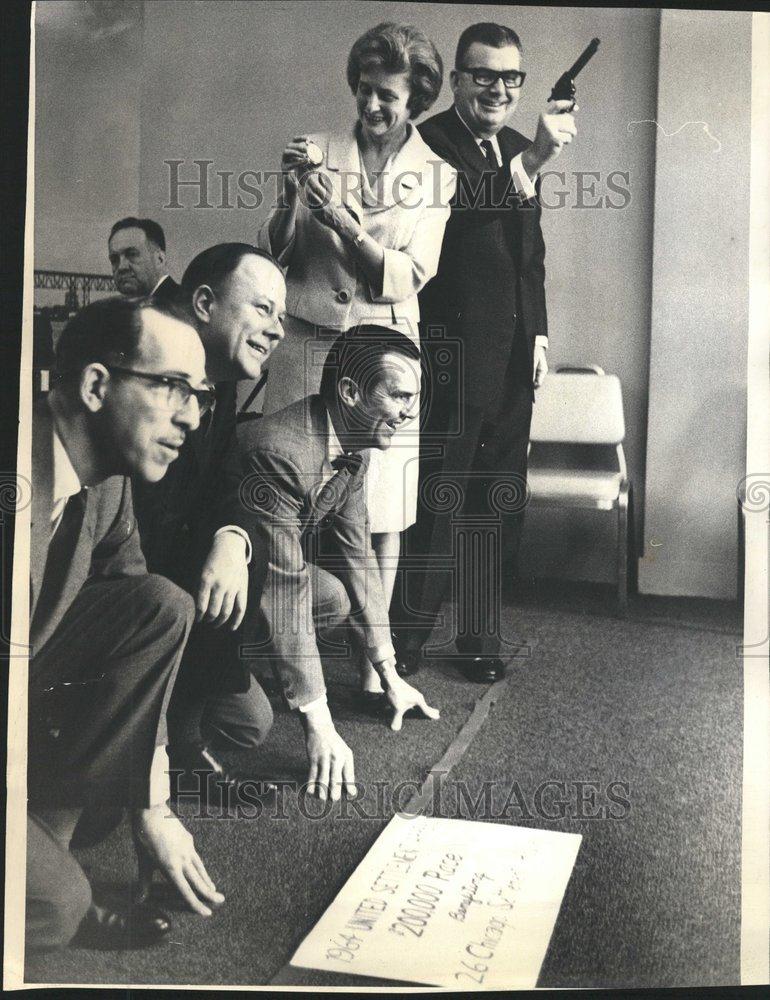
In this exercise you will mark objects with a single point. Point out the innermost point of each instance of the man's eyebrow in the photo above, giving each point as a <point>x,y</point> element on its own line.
<point>173,374</point>
<point>266,298</point>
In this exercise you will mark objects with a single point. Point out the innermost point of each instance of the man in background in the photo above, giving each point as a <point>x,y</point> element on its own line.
<point>137,254</point>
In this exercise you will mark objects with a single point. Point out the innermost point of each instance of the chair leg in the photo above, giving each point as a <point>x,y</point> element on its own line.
<point>741,551</point>
<point>633,561</point>
<point>623,552</point>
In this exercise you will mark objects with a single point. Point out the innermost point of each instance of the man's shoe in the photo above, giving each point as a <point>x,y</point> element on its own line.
<point>373,703</point>
<point>408,662</point>
<point>197,771</point>
<point>140,926</point>
<point>483,669</point>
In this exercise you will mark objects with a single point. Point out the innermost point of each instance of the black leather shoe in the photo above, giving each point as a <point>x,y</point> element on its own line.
<point>373,703</point>
<point>483,669</point>
<point>199,772</point>
<point>140,926</point>
<point>408,662</point>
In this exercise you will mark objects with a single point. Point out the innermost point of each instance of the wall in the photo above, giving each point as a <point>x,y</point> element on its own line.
<point>697,413</point>
<point>124,88</point>
<point>231,83</point>
<point>89,59</point>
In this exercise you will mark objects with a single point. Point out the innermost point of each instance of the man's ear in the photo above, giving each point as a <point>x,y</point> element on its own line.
<point>348,391</point>
<point>454,78</point>
<point>92,387</point>
<point>202,301</point>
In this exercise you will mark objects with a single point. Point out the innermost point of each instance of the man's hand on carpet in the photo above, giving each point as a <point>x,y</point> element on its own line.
<point>331,759</point>
<point>402,696</point>
<point>162,842</point>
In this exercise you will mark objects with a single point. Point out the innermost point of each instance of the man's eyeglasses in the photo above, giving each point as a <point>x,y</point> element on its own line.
<point>482,77</point>
<point>177,390</point>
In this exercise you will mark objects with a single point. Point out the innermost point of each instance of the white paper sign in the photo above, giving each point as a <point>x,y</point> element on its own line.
<point>447,902</point>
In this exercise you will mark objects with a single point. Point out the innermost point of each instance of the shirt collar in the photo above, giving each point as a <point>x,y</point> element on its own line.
<point>493,140</point>
<point>333,447</point>
<point>65,480</point>
<point>160,282</point>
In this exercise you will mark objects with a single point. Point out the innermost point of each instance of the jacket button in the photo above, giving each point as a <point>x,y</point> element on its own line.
<point>343,295</point>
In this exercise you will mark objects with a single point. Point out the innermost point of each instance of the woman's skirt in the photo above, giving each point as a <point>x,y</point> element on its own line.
<point>392,479</point>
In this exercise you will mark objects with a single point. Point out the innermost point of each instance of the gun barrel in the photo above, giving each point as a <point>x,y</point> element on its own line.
<point>586,54</point>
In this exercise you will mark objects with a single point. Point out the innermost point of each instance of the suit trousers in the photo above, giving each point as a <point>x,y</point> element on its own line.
<point>99,690</point>
<point>216,698</point>
<point>336,634</point>
<point>57,893</point>
<point>466,539</point>
<point>242,719</point>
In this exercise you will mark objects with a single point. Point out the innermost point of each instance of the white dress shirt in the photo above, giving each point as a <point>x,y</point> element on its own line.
<point>160,281</point>
<point>65,481</point>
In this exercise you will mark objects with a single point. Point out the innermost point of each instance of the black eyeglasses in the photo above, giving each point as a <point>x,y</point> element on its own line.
<point>482,77</point>
<point>177,390</point>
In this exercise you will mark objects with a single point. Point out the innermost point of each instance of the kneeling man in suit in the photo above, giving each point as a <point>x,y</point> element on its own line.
<point>106,637</point>
<point>192,522</point>
<point>313,559</point>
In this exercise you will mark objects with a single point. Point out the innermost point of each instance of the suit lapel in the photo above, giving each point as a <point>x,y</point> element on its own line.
<point>42,498</point>
<point>321,500</point>
<point>468,153</point>
<point>342,165</point>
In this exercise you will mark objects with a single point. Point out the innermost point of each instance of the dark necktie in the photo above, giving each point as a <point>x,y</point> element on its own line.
<point>207,418</point>
<point>60,552</point>
<point>489,154</point>
<point>332,495</point>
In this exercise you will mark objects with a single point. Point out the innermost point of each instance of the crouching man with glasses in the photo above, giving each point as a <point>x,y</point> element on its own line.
<point>106,636</point>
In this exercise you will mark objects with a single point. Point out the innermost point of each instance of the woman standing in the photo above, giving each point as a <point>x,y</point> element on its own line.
<point>359,227</point>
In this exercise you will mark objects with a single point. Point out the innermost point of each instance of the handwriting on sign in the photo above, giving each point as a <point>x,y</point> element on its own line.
<point>483,951</point>
<point>443,902</point>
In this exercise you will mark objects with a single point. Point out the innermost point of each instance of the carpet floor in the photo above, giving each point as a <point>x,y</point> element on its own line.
<point>627,731</point>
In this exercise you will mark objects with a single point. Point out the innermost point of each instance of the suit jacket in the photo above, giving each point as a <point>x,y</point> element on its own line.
<point>490,285</point>
<point>167,290</point>
<point>108,542</point>
<point>324,285</point>
<point>199,494</point>
<point>292,516</point>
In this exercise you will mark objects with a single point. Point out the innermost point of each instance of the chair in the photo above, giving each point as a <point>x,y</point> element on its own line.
<point>582,408</point>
